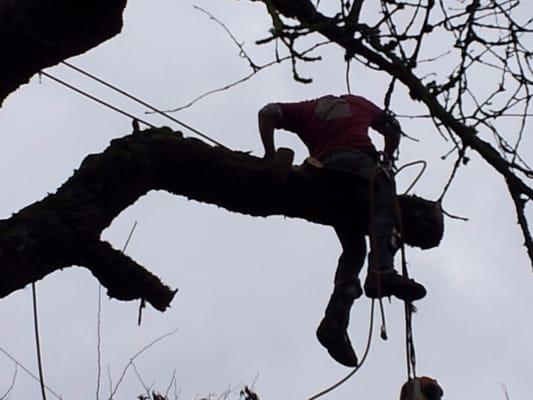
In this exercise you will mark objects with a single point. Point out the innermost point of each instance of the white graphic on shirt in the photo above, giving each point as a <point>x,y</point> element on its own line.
<point>330,108</point>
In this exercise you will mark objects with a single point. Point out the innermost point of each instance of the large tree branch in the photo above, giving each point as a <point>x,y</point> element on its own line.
<point>38,34</point>
<point>64,228</point>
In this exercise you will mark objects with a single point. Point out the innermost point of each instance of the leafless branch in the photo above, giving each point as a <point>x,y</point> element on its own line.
<point>7,393</point>
<point>171,383</point>
<point>27,371</point>
<point>132,359</point>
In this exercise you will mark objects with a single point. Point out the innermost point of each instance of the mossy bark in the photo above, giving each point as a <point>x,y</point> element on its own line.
<point>64,228</point>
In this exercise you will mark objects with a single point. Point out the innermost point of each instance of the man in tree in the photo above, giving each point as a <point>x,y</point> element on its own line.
<point>335,130</point>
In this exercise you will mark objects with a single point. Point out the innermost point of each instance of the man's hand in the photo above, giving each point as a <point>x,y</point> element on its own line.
<point>269,155</point>
<point>391,130</point>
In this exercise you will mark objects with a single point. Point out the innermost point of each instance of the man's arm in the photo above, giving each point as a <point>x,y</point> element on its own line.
<point>391,130</point>
<point>269,118</point>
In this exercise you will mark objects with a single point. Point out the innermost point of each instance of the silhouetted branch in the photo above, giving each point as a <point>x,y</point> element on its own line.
<point>38,34</point>
<point>64,228</point>
<point>7,393</point>
<point>134,357</point>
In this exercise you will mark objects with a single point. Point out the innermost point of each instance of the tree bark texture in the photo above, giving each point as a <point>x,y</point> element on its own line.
<point>38,34</point>
<point>64,228</point>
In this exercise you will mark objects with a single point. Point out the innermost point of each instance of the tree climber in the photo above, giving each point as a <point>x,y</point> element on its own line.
<point>335,131</point>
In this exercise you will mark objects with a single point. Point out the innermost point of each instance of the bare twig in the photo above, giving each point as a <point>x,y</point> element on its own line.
<point>7,393</point>
<point>31,374</point>
<point>132,359</point>
<point>139,377</point>
<point>520,206</point>
<point>242,51</point>
<point>171,383</point>
<point>238,81</point>
<point>110,382</point>
<point>505,391</point>
<point>99,321</point>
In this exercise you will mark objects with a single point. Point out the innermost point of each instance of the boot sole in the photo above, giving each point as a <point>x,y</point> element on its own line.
<point>404,294</point>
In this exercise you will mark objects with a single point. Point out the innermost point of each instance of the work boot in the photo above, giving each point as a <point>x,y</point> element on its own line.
<point>390,283</point>
<point>331,332</point>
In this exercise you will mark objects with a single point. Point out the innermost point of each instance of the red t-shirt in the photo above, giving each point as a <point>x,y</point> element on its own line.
<point>331,123</point>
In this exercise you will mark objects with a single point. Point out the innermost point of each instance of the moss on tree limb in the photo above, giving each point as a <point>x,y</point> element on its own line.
<point>64,228</point>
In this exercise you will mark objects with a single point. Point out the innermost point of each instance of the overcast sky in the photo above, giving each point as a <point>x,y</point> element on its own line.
<point>252,290</point>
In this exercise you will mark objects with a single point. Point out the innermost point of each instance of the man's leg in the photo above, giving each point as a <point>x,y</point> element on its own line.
<point>332,331</point>
<point>382,279</point>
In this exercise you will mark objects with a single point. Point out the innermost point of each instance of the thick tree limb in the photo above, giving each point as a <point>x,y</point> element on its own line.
<point>64,228</point>
<point>38,34</point>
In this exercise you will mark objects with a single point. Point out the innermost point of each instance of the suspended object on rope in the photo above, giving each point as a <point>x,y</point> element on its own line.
<point>423,388</point>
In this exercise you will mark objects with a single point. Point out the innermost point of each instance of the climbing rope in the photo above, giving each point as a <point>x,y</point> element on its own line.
<point>363,359</point>
<point>94,98</point>
<point>415,181</point>
<point>129,96</point>
<point>37,340</point>
<point>408,306</point>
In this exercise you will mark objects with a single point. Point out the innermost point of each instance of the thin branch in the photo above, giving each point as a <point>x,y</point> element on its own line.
<point>520,205</point>
<point>139,377</point>
<point>457,164</point>
<point>236,83</point>
<point>505,391</point>
<point>132,359</point>
<point>31,374</point>
<point>171,383</point>
<point>242,51</point>
<point>6,394</point>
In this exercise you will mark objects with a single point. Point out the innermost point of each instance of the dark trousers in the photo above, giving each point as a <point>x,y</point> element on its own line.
<point>352,240</point>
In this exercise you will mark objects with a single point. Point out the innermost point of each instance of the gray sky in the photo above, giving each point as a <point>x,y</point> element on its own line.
<point>252,290</point>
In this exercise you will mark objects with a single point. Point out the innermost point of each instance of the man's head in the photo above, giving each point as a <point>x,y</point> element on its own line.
<point>387,124</point>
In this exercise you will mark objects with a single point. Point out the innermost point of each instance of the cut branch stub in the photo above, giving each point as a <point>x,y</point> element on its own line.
<point>64,228</point>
